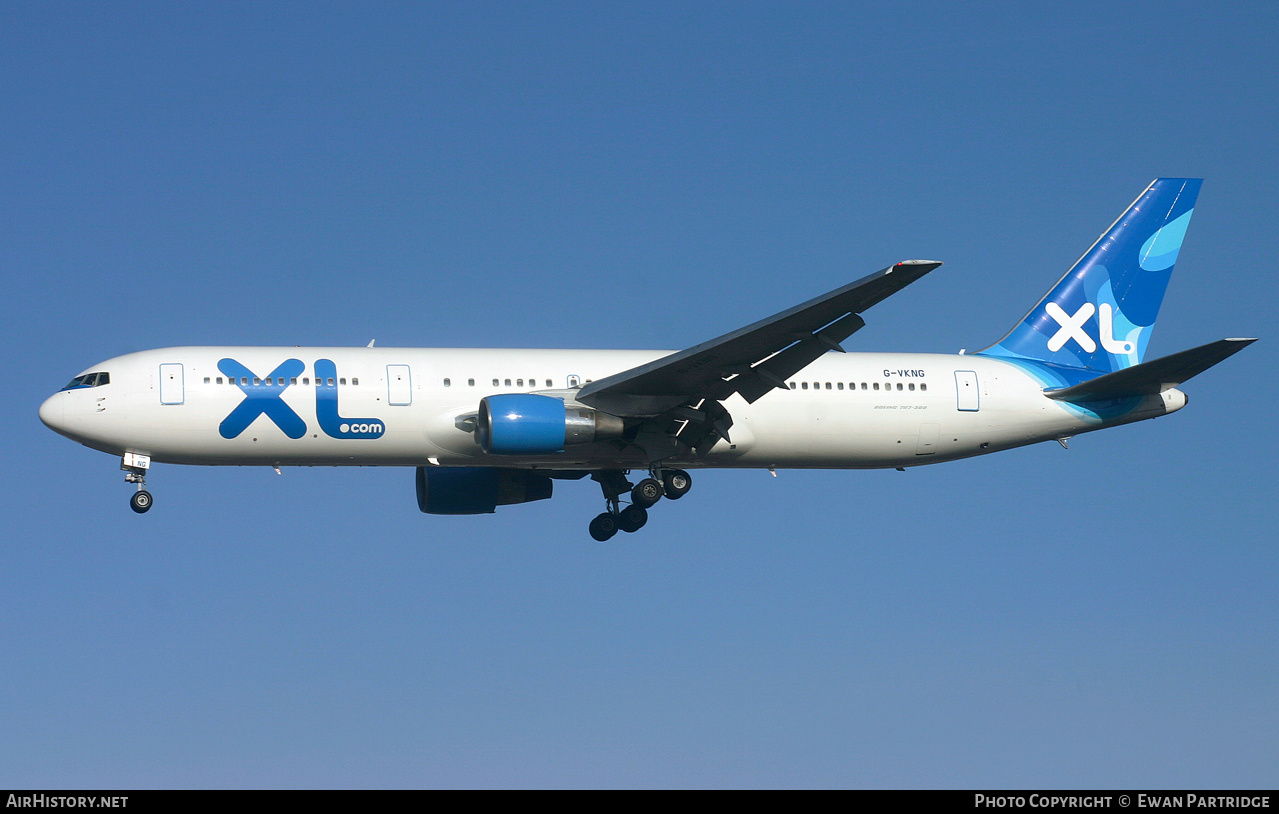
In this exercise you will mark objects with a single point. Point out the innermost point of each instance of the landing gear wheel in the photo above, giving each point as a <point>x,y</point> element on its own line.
<point>141,501</point>
<point>632,518</point>
<point>604,527</point>
<point>678,483</point>
<point>646,493</point>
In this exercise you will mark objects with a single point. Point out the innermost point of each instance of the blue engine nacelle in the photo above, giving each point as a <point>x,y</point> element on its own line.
<point>477,490</point>
<point>529,424</point>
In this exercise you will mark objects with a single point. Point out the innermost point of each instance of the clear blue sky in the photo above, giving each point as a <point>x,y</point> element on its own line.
<point>633,175</point>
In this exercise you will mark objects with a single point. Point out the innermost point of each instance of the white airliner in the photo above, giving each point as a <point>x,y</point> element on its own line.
<point>490,427</point>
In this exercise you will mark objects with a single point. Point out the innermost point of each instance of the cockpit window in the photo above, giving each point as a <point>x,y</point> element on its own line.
<point>89,380</point>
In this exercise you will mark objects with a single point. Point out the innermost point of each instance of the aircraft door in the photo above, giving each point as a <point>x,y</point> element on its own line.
<point>171,389</point>
<point>967,394</point>
<point>399,385</point>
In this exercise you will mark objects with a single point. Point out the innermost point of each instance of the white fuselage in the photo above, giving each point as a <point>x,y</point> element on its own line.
<point>416,407</point>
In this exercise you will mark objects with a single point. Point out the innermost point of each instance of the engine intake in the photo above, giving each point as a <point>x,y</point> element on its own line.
<point>529,424</point>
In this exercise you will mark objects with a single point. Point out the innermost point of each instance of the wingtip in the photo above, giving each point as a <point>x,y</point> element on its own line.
<point>916,266</point>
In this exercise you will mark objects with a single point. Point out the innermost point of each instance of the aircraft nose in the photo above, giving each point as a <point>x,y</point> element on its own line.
<point>51,412</point>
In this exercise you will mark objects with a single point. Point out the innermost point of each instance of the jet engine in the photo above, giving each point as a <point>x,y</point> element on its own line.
<point>477,490</point>
<point>529,424</point>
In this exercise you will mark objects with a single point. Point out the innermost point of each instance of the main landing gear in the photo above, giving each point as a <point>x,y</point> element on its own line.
<point>135,471</point>
<point>671,483</point>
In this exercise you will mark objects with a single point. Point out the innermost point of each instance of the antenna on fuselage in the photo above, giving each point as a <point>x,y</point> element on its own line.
<point>371,341</point>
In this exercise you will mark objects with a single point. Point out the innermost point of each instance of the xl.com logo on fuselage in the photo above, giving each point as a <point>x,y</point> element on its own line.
<point>262,396</point>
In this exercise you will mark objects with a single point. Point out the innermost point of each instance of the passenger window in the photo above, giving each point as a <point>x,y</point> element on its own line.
<point>839,386</point>
<point>911,386</point>
<point>330,381</point>
<point>573,381</point>
<point>293,380</point>
<point>519,382</point>
<point>256,381</point>
<point>548,382</point>
<point>470,382</point>
<point>876,385</point>
<point>923,387</point>
<point>863,385</point>
<point>827,385</point>
<point>206,379</point>
<point>803,385</point>
<point>508,382</point>
<point>448,383</point>
<point>495,382</point>
<point>792,385</point>
<point>899,385</point>
<point>219,380</point>
<point>355,382</point>
<point>306,381</point>
<point>342,381</point>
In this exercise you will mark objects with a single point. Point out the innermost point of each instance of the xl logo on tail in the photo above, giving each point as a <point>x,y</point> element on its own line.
<point>1072,327</point>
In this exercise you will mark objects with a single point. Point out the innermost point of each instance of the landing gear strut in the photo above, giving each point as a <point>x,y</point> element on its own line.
<point>671,483</point>
<point>135,471</point>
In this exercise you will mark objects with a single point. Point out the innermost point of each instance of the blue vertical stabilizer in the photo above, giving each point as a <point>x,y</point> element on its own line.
<point>1100,315</point>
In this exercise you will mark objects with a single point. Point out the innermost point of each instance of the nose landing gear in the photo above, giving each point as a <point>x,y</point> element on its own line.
<point>671,483</point>
<point>141,501</point>
<point>135,471</point>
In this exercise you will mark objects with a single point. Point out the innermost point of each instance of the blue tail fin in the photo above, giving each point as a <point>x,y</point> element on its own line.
<point>1101,314</point>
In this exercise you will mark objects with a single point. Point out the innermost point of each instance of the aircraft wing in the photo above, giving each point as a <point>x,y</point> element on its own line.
<point>752,360</point>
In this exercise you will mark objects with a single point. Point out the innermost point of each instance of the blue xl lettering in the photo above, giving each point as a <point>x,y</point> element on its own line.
<point>262,399</point>
<point>326,407</point>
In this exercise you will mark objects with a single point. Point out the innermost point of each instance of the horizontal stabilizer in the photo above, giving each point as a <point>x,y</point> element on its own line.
<point>1152,377</point>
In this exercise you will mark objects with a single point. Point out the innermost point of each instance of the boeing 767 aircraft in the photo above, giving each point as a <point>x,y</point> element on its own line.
<point>488,427</point>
